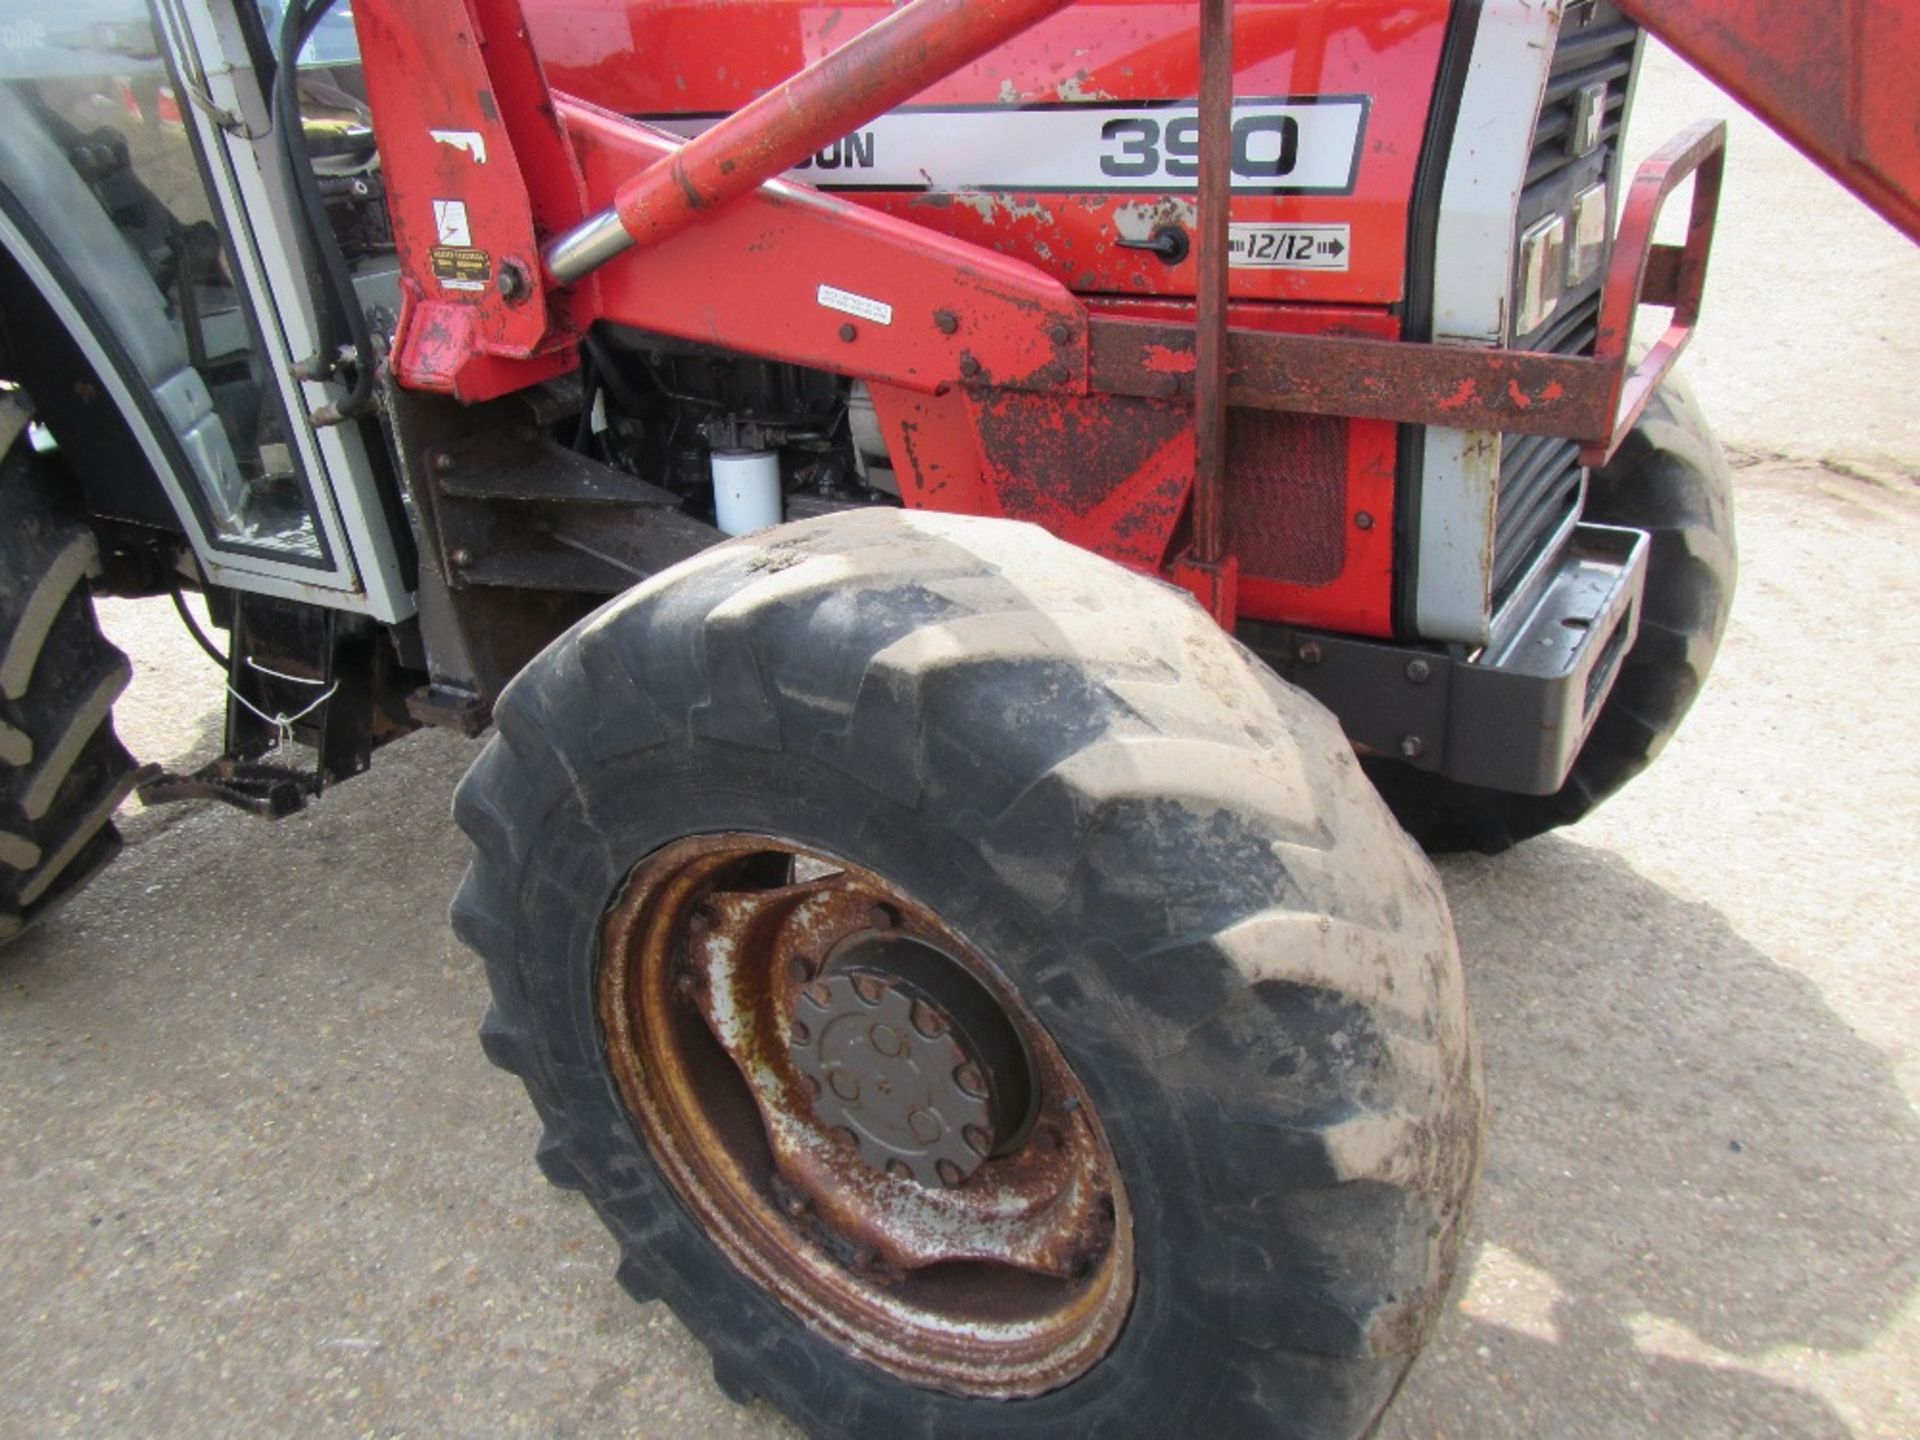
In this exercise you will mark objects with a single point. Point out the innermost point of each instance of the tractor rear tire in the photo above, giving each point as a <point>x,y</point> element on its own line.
<point>1234,983</point>
<point>1670,479</point>
<point>63,772</point>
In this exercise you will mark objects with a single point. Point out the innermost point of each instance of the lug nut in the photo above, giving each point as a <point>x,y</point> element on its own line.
<point>978,1140</point>
<point>969,1079</point>
<point>949,1173</point>
<point>928,1021</point>
<point>869,988</point>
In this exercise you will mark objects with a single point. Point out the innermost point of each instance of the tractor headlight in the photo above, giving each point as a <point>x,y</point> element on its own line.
<point>1543,263</point>
<point>1589,246</point>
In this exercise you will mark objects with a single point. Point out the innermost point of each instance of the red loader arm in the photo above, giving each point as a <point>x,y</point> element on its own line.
<point>1836,79</point>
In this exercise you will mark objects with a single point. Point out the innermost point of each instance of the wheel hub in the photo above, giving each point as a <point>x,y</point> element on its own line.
<point>888,1071</point>
<point>864,1115</point>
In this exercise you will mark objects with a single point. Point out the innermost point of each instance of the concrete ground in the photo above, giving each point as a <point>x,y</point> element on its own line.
<point>257,1178</point>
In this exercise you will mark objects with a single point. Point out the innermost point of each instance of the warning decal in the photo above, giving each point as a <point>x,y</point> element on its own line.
<point>848,303</point>
<point>450,221</point>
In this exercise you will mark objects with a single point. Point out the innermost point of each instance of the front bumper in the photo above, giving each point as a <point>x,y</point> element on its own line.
<point>1510,716</point>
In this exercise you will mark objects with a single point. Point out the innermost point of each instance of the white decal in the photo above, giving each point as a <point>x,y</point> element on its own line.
<point>848,303</point>
<point>1278,147</point>
<point>450,219</point>
<point>1289,247</point>
<point>471,141</point>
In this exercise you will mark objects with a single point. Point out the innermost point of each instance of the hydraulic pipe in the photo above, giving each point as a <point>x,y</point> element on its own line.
<point>866,77</point>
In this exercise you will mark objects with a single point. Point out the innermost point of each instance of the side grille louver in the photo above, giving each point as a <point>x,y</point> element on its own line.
<point>1541,479</point>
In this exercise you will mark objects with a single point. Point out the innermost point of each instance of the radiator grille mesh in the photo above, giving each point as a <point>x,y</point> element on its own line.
<point>1286,494</point>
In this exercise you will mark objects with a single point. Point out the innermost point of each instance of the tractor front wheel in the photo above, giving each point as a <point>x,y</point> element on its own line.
<point>978,998</point>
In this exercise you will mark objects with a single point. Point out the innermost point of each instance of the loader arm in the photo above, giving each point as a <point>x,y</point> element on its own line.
<point>1833,79</point>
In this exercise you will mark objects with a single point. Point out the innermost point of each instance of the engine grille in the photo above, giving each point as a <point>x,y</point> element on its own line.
<point>1542,482</point>
<point>1287,494</point>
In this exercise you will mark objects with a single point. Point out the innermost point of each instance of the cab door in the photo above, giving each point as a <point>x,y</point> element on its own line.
<point>140,192</point>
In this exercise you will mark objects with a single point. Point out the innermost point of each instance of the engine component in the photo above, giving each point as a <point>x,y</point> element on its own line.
<point>746,490</point>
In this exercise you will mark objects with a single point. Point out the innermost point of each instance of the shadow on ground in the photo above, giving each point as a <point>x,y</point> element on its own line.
<point>1695,1166</point>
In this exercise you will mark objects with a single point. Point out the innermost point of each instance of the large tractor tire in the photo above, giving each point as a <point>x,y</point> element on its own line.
<point>977,996</point>
<point>1670,479</point>
<point>63,772</point>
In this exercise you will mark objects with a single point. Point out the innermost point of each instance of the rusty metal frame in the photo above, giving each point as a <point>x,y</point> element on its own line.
<point>1208,567</point>
<point>1594,400</point>
<point>1699,152</point>
<point>1210,330</point>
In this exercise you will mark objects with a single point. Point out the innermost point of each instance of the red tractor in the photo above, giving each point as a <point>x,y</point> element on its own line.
<point>981,528</point>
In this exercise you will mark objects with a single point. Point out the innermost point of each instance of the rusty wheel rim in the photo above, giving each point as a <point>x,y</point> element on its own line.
<point>860,1111</point>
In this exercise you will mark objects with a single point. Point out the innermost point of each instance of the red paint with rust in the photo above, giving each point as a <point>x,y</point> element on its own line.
<point>1015,431</point>
<point>753,269</point>
<point>1004,392</point>
<point>666,58</point>
<point>1698,153</point>
<point>1835,78</point>
<point>428,71</point>
<point>866,76</point>
<point>1117,479</point>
